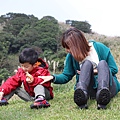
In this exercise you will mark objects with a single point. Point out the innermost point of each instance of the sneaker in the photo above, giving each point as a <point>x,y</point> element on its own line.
<point>3,102</point>
<point>40,103</point>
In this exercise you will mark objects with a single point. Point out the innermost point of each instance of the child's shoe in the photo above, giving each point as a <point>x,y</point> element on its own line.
<point>3,102</point>
<point>40,103</point>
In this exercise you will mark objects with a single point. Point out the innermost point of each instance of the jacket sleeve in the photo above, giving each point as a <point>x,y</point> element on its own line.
<point>10,84</point>
<point>112,64</point>
<point>104,53</point>
<point>68,71</point>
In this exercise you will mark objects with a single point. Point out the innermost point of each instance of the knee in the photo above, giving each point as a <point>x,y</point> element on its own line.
<point>87,62</point>
<point>102,63</point>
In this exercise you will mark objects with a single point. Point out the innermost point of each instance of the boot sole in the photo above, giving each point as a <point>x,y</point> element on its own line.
<point>80,98</point>
<point>3,103</point>
<point>104,97</point>
<point>37,107</point>
<point>101,106</point>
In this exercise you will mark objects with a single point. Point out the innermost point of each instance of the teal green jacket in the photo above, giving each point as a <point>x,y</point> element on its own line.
<point>71,66</point>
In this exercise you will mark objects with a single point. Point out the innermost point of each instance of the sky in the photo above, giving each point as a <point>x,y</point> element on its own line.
<point>102,15</point>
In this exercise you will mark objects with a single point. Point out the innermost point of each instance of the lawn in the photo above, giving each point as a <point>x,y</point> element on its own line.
<point>62,108</point>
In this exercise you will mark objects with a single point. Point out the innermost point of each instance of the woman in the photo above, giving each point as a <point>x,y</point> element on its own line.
<point>94,67</point>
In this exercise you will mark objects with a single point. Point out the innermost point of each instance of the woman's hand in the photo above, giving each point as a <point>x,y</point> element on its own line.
<point>78,71</point>
<point>95,71</point>
<point>46,78</point>
<point>29,78</point>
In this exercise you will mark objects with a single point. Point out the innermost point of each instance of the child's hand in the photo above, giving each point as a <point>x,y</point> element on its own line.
<point>1,95</point>
<point>29,78</point>
<point>15,71</point>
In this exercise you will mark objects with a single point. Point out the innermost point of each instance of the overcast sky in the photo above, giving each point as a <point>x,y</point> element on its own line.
<point>102,15</point>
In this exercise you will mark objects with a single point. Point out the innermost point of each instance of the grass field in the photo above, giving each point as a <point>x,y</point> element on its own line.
<point>62,108</point>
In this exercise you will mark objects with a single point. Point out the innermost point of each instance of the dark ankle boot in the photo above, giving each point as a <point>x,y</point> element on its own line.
<point>81,93</point>
<point>103,98</point>
<point>81,96</point>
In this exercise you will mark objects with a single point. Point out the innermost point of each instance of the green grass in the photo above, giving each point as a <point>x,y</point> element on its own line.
<point>62,108</point>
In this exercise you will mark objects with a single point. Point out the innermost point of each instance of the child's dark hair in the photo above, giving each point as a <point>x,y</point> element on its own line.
<point>28,55</point>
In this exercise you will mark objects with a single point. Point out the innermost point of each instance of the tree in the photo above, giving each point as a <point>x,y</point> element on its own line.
<point>81,25</point>
<point>21,31</point>
<point>27,35</point>
<point>5,42</point>
<point>15,24</point>
<point>48,30</point>
<point>16,21</point>
<point>4,74</point>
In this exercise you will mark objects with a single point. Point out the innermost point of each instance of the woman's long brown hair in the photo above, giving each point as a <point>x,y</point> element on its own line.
<point>74,40</point>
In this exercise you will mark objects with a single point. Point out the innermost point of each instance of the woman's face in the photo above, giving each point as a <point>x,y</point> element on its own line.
<point>67,50</point>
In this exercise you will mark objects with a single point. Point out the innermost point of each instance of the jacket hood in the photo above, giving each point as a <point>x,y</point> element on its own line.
<point>42,63</point>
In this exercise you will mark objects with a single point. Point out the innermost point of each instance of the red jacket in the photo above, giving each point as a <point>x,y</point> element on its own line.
<point>20,77</point>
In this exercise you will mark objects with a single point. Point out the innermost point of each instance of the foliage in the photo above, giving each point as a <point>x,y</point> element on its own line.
<point>5,39</point>
<point>4,74</point>
<point>81,25</point>
<point>16,21</point>
<point>48,30</point>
